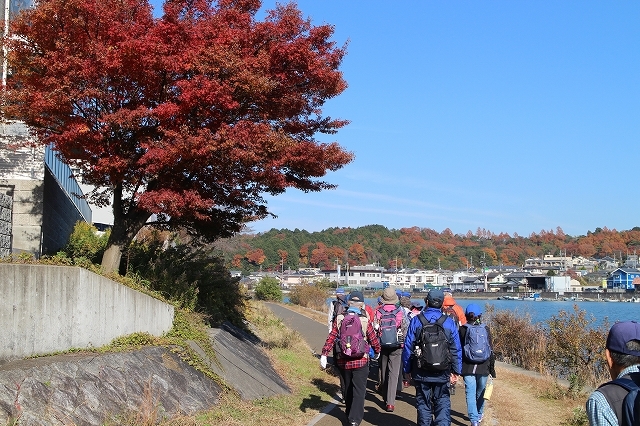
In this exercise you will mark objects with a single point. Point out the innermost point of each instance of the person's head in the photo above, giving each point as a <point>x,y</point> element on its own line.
<point>416,307</point>
<point>405,302</point>
<point>389,296</point>
<point>434,298</point>
<point>356,298</point>
<point>448,299</point>
<point>623,346</point>
<point>473,313</point>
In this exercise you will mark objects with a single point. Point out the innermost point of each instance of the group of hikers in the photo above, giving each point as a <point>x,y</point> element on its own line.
<point>433,347</point>
<point>437,345</point>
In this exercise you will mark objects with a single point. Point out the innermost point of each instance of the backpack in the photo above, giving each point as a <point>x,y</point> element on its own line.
<point>352,343</point>
<point>630,414</point>
<point>337,307</point>
<point>476,343</point>
<point>388,330</point>
<point>451,313</point>
<point>434,354</point>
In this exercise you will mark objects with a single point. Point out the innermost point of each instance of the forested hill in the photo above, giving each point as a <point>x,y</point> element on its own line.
<point>415,247</point>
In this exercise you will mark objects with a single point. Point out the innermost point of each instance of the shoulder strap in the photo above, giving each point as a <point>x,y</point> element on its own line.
<point>422,319</point>
<point>616,390</point>
<point>440,321</point>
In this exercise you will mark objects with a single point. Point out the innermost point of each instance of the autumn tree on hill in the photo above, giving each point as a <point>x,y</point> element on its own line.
<point>183,121</point>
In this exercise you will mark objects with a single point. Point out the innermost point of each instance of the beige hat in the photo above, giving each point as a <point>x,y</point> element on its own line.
<point>389,296</point>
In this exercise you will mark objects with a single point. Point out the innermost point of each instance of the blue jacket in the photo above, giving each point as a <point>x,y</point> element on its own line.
<point>413,333</point>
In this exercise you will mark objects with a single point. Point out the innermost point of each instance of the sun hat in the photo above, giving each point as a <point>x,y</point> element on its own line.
<point>389,296</point>
<point>620,334</point>
<point>434,298</point>
<point>474,309</point>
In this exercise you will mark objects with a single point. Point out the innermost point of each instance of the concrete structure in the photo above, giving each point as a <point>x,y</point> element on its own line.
<point>40,200</point>
<point>47,309</point>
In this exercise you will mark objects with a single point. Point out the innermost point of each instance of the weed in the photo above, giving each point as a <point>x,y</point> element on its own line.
<point>579,418</point>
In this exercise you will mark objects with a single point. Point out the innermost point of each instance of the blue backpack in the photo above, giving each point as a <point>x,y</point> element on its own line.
<point>476,343</point>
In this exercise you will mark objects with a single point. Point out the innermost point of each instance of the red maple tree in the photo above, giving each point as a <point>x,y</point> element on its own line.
<point>183,121</point>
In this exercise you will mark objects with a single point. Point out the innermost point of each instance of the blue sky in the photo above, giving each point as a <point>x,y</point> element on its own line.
<point>512,116</point>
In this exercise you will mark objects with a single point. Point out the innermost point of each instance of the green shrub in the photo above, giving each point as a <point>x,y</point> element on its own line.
<point>268,288</point>
<point>188,276</point>
<point>86,242</point>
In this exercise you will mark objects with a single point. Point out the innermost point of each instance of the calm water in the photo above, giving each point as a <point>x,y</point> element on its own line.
<point>541,311</point>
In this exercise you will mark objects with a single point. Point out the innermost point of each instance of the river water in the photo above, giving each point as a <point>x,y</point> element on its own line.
<point>543,310</point>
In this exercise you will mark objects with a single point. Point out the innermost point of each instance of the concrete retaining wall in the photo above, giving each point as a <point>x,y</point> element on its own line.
<point>47,309</point>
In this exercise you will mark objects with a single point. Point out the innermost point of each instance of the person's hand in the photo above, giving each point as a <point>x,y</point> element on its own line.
<point>323,361</point>
<point>453,379</point>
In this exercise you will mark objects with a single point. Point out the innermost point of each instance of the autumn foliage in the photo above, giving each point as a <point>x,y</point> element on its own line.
<point>423,248</point>
<point>188,119</point>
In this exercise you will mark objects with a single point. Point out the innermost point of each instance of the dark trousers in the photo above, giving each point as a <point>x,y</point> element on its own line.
<point>433,403</point>
<point>355,383</point>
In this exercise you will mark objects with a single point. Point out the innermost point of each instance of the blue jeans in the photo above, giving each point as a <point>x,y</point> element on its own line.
<point>433,400</point>
<point>474,385</point>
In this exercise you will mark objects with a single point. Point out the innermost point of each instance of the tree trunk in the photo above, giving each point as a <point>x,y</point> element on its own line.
<point>125,227</point>
<point>111,258</point>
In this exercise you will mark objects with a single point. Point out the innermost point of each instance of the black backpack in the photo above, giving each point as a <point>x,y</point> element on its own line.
<point>630,414</point>
<point>434,345</point>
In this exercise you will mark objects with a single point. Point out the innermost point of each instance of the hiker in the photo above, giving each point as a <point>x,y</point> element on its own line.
<point>388,322</point>
<point>605,406</point>
<point>354,334</point>
<point>336,307</point>
<point>452,309</point>
<point>478,361</point>
<point>432,357</point>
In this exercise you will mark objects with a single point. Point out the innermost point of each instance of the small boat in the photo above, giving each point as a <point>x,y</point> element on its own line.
<point>509,298</point>
<point>535,297</point>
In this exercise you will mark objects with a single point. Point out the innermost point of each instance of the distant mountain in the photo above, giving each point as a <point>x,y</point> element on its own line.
<point>414,247</point>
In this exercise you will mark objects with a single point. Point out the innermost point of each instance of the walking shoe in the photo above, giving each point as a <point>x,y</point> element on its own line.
<point>481,417</point>
<point>475,424</point>
<point>390,408</point>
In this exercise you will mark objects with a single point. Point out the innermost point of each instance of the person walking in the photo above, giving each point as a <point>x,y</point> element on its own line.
<point>388,322</point>
<point>451,308</point>
<point>431,379</point>
<point>477,361</point>
<point>622,351</point>
<point>354,370</point>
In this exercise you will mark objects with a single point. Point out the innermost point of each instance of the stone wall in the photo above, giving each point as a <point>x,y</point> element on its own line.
<point>6,207</point>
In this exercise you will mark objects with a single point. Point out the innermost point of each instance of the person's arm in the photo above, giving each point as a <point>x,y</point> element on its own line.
<point>492,357</point>
<point>331,338</point>
<point>372,337</point>
<point>409,343</point>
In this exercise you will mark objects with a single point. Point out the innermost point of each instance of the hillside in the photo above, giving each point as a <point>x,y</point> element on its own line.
<point>414,247</point>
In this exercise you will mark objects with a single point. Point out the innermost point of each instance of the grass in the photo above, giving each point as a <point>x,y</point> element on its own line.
<point>522,399</point>
<point>311,388</point>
